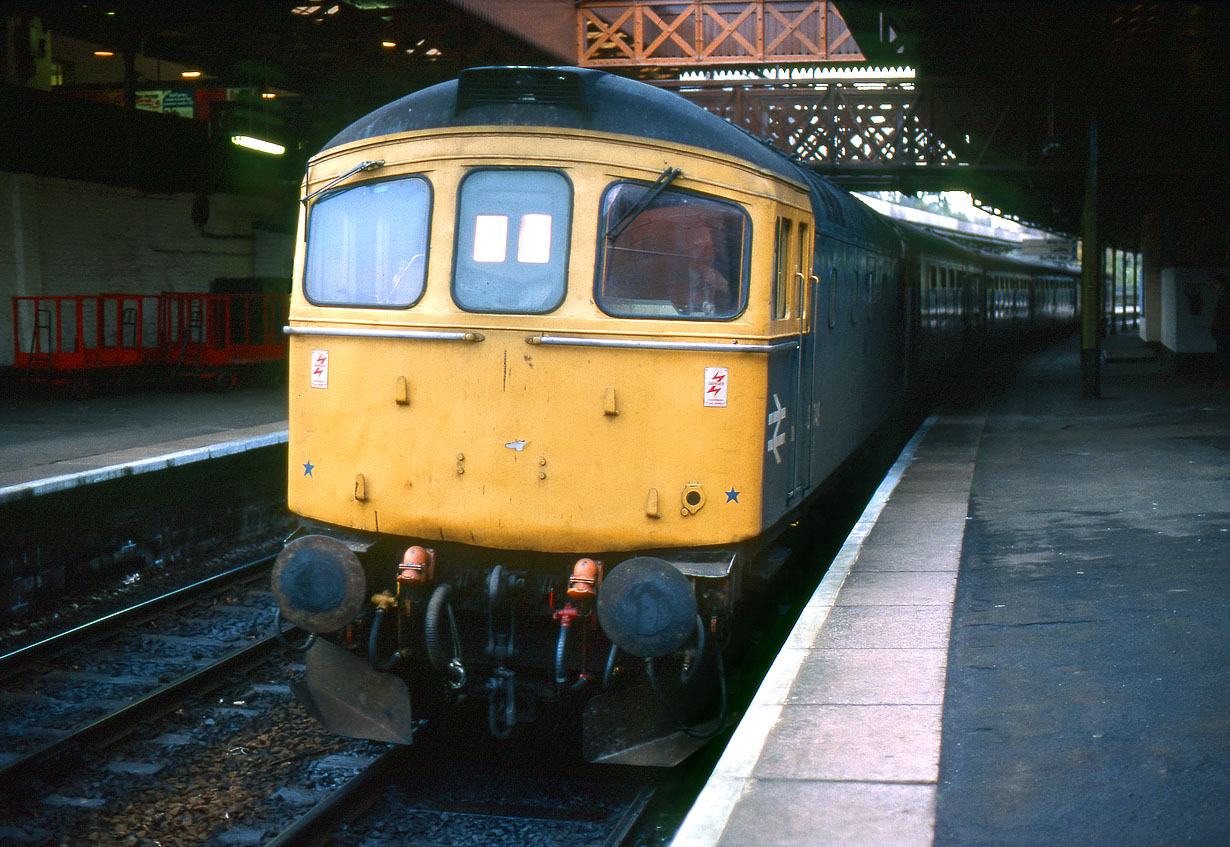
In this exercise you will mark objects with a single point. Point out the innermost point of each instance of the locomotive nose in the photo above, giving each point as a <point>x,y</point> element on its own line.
<point>319,583</point>
<point>647,607</point>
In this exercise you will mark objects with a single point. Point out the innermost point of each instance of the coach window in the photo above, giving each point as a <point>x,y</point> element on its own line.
<point>679,255</point>
<point>854,297</point>
<point>933,298</point>
<point>367,245</point>
<point>832,297</point>
<point>512,241</point>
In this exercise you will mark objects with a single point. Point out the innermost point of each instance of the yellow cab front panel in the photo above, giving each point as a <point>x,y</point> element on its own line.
<point>550,424</point>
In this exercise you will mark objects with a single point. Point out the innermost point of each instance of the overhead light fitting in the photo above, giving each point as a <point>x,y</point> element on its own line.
<point>258,144</point>
<point>104,54</point>
<point>190,74</point>
<point>388,43</point>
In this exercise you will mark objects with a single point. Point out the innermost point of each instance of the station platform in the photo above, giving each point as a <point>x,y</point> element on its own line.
<point>1025,640</point>
<point>53,443</point>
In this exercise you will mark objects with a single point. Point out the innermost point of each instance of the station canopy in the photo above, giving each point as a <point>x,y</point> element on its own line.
<point>1019,90</point>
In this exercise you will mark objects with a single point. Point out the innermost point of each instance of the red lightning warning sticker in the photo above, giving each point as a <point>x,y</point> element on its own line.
<point>715,386</point>
<point>320,368</point>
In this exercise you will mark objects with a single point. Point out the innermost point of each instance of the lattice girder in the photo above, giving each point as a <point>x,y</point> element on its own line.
<point>636,33</point>
<point>832,123</point>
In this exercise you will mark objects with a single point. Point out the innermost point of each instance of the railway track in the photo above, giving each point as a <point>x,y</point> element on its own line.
<point>25,655</point>
<point>232,767</point>
<point>118,723</point>
<point>144,719</point>
<point>114,741</point>
<point>248,767</point>
<point>406,794</point>
<point>93,684</point>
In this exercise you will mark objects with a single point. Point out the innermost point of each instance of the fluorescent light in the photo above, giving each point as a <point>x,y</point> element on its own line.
<point>190,74</point>
<point>388,43</point>
<point>258,144</point>
<point>104,53</point>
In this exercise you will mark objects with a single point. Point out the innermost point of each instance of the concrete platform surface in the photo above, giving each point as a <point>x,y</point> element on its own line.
<point>1025,640</point>
<point>54,442</point>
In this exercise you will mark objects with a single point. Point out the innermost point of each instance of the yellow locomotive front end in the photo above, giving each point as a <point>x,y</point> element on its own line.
<point>461,382</point>
<point>521,357</point>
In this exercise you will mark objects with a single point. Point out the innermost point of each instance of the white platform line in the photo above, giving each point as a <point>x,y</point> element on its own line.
<point>705,823</point>
<point>51,485</point>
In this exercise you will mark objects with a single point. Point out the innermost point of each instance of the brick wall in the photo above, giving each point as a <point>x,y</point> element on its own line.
<point>60,236</point>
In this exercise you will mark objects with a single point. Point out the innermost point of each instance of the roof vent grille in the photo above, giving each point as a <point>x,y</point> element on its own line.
<point>530,86</point>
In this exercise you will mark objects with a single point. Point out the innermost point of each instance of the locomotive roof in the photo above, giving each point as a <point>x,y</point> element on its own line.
<point>582,98</point>
<point>576,98</point>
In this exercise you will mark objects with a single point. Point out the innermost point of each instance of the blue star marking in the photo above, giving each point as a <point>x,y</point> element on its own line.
<point>732,496</point>
<point>307,468</point>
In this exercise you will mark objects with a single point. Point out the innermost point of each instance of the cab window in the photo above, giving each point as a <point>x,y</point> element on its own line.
<point>367,244</point>
<point>512,241</point>
<point>781,270</point>
<point>680,256</point>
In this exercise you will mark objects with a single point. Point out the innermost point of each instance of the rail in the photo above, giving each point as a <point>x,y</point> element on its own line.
<point>156,702</point>
<point>316,826</point>
<point>108,623</point>
<point>118,723</point>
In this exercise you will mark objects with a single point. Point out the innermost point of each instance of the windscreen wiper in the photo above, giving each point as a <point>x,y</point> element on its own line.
<point>362,166</point>
<point>664,179</point>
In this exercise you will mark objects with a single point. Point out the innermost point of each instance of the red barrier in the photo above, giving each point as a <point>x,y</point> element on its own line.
<point>66,339</point>
<point>212,335</point>
<point>62,338</point>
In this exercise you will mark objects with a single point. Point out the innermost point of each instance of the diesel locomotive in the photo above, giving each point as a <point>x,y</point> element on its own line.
<point>568,355</point>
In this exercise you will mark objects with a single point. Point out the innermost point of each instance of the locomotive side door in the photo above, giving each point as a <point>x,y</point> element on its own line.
<point>805,282</point>
<point>788,441</point>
